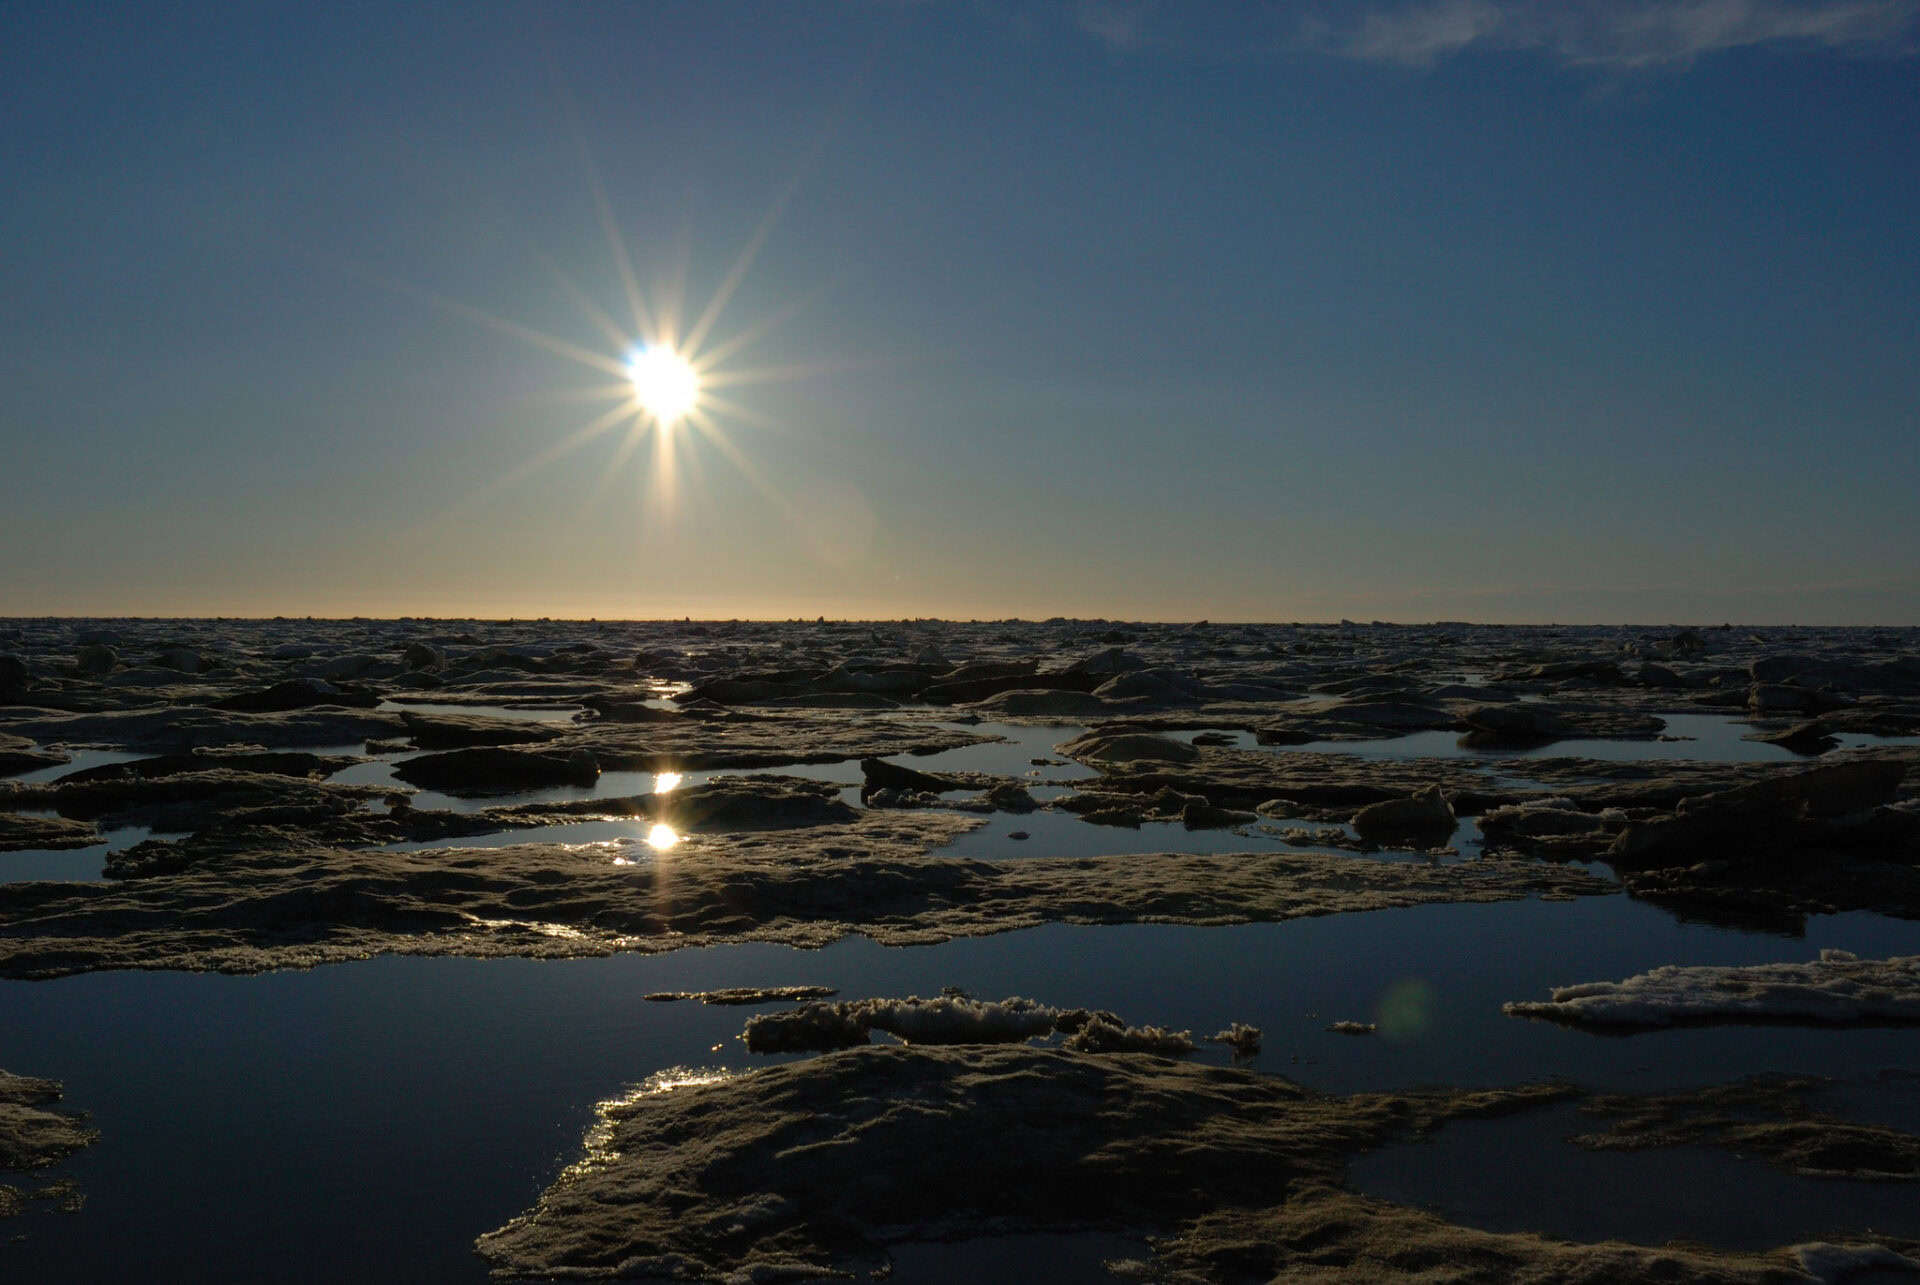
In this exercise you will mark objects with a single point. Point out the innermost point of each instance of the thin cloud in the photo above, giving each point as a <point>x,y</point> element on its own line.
<point>1118,24</point>
<point>1624,33</point>
<point>1423,34</point>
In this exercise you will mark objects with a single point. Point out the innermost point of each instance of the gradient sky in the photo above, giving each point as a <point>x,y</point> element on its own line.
<point>1445,309</point>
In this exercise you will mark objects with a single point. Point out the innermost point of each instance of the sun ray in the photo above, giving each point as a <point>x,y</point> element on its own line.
<point>663,480</point>
<point>741,263</point>
<point>574,396</point>
<point>695,470</point>
<point>602,208</point>
<point>618,337</point>
<point>538,338</point>
<point>610,472</point>
<point>768,374</point>
<point>642,318</point>
<point>708,358</point>
<point>673,290</point>
<point>712,401</point>
<point>526,468</point>
<point>565,446</point>
<point>739,459</point>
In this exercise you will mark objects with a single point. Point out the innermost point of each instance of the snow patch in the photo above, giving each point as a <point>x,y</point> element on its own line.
<point>1836,989</point>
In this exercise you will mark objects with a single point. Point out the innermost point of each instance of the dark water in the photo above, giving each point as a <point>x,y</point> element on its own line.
<point>68,864</point>
<point>78,759</point>
<point>1519,1174</point>
<point>1712,738</point>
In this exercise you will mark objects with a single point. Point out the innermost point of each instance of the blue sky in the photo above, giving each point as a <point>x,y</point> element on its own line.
<point>1465,309</point>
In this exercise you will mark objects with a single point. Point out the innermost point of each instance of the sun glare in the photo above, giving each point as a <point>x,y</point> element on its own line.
<point>673,382</point>
<point>664,383</point>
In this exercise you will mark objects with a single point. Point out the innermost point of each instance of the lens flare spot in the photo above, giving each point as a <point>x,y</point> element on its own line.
<point>664,383</point>
<point>1406,1010</point>
<point>664,781</point>
<point>662,837</point>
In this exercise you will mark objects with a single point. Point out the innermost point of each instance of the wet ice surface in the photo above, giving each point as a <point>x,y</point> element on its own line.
<point>521,713</point>
<point>1012,757</point>
<point>421,1101</point>
<point>1711,738</point>
<point>611,785</point>
<point>1062,834</point>
<point>623,840</point>
<point>1049,833</point>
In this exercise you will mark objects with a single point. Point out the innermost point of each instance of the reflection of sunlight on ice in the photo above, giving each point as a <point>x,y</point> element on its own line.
<point>600,1136</point>
<point>664,781</point>
<point>662,836</point>
<point>679,1077</point>
<point>562,931</point>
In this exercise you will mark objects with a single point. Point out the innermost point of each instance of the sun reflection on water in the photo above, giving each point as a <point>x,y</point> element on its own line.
<point>662,836</point>
<point>664,781</point>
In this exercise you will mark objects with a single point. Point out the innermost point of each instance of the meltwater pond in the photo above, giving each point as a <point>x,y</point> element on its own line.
<point>77,760</point>
<point>1709,738</point>
<point>362,1116</point>
<point>1519,1174</point>
<point>1013,755</point>
<point>68,864</point>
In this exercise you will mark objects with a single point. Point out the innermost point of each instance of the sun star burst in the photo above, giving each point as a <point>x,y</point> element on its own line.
<point>674,380</point>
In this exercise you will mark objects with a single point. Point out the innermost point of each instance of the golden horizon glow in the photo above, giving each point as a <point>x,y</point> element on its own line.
<point>665,384</point>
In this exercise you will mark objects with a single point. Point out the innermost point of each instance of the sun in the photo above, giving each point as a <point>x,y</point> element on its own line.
<point>665,384</point>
